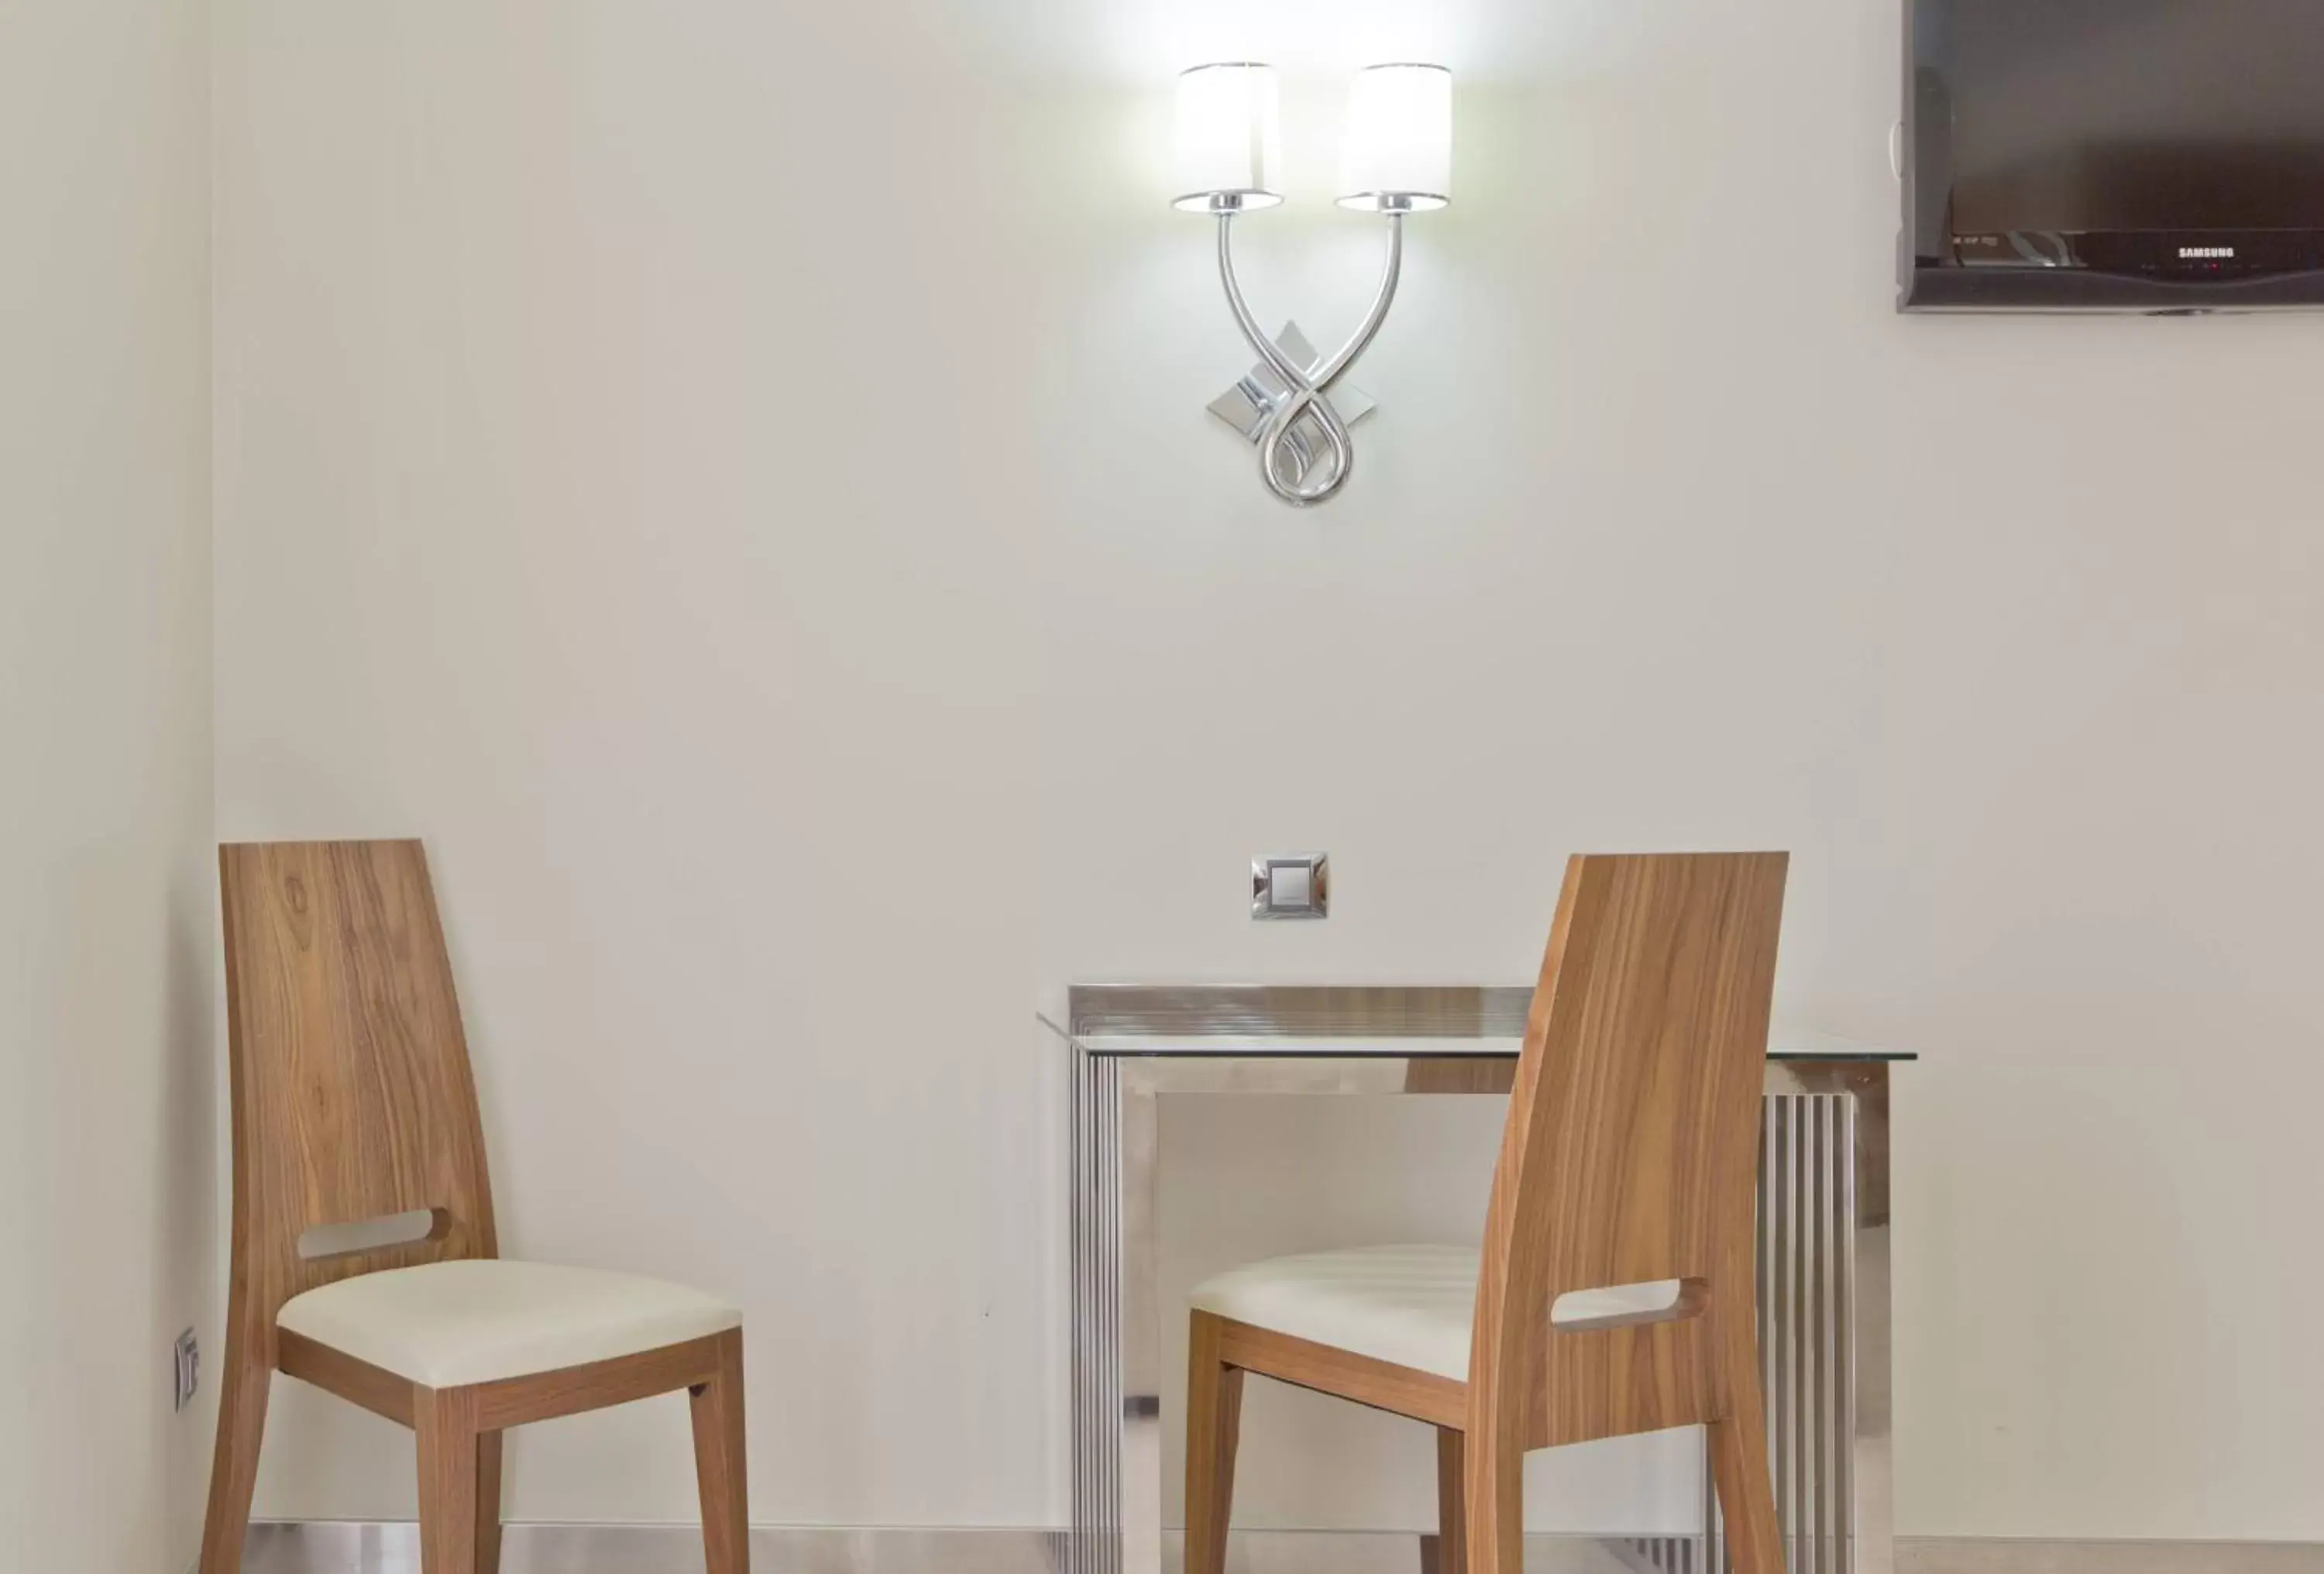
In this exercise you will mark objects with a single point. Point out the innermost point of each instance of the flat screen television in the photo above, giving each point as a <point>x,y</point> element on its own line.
<point>2133,155</point>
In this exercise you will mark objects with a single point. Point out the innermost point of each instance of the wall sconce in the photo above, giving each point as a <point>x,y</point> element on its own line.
<point>1397,161</point>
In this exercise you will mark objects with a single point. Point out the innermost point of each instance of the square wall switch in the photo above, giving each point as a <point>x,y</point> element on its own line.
<point>1291,885</point>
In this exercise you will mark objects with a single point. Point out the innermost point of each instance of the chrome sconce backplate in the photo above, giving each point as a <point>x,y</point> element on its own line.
<point>1250,405</point>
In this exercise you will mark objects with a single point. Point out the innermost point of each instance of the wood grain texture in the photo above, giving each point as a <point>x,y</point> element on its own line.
<point>1458,1074</point>
<point>243,1385</point>
<point>448,1479</point>
<point>569,1390</point>
<point>1629,1158</point>
<point>352,1100</point>
<point>1328,1369</point>
<point>380,1392</point>
<point>721,1469</point>
<point>488,1503</point>
<point>351,1089</point>
<point>1738,1470</point>
<point>1451,1500</point>
<point>1213,1427</point>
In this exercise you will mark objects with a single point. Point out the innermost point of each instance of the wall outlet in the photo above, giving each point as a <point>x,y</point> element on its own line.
<point>186,1373</point>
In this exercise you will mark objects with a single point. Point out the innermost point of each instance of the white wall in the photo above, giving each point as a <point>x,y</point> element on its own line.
<point>107,1224</point>
<point>733,478</point>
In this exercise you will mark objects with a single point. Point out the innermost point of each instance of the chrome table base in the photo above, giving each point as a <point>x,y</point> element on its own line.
<point>1824,1288</point>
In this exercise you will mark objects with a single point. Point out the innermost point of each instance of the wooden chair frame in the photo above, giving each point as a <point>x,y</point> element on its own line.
<point>353,1100</point>
<point>1628,1158</point>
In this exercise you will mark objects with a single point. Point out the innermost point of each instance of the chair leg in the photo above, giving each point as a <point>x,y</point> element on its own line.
<point>1213,1425</point>
<point>450,1479</point>
<point>1493,1473</point>
<point>1448,1551</point>
<point>719,1462</point>
<point>234,1463</point>
<point>1739,1468</point>
<point>488,1502</point>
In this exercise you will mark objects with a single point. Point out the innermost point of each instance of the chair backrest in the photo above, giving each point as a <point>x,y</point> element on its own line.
<point>352,1098</point>
<point>1630,1154</point>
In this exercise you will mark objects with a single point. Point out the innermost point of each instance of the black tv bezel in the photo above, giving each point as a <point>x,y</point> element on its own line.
<point>2097,271</point>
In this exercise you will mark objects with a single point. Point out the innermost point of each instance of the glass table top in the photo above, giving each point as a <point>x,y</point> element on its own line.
<point>1403,1022</point>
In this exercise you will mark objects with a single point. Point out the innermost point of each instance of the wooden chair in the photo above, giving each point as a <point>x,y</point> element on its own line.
<point>1627,1163</point>
<point>353,1100</point>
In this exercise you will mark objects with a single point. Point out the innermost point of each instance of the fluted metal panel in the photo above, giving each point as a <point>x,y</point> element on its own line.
<point>1850,1537</point>
<point>1117,1495</point>
<point>1666,1554</point>
<point>1810,1372</point>
<point>1094,1546</point>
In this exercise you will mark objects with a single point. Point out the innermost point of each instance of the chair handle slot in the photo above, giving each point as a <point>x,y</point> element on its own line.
<point>356,1236</point>
<point>1628,1305</point>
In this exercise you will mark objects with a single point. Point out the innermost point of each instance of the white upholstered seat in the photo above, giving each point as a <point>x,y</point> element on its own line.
<point>1412,1305</point>
<point>446,1325</point>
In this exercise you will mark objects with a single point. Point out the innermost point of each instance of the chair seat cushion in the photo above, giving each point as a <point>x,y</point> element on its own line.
<point>1409,1305</point>
<point>447,1325</point>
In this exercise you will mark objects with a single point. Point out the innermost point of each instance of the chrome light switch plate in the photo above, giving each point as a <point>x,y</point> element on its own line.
<point>1291,885</point>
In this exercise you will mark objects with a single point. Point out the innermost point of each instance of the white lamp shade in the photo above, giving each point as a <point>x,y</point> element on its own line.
<point>1398,152</point>
<point>1230,139</point>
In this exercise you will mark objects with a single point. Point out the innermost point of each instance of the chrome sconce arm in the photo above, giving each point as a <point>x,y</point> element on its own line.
<point>1307,390</point>
<point>1398,163</point>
